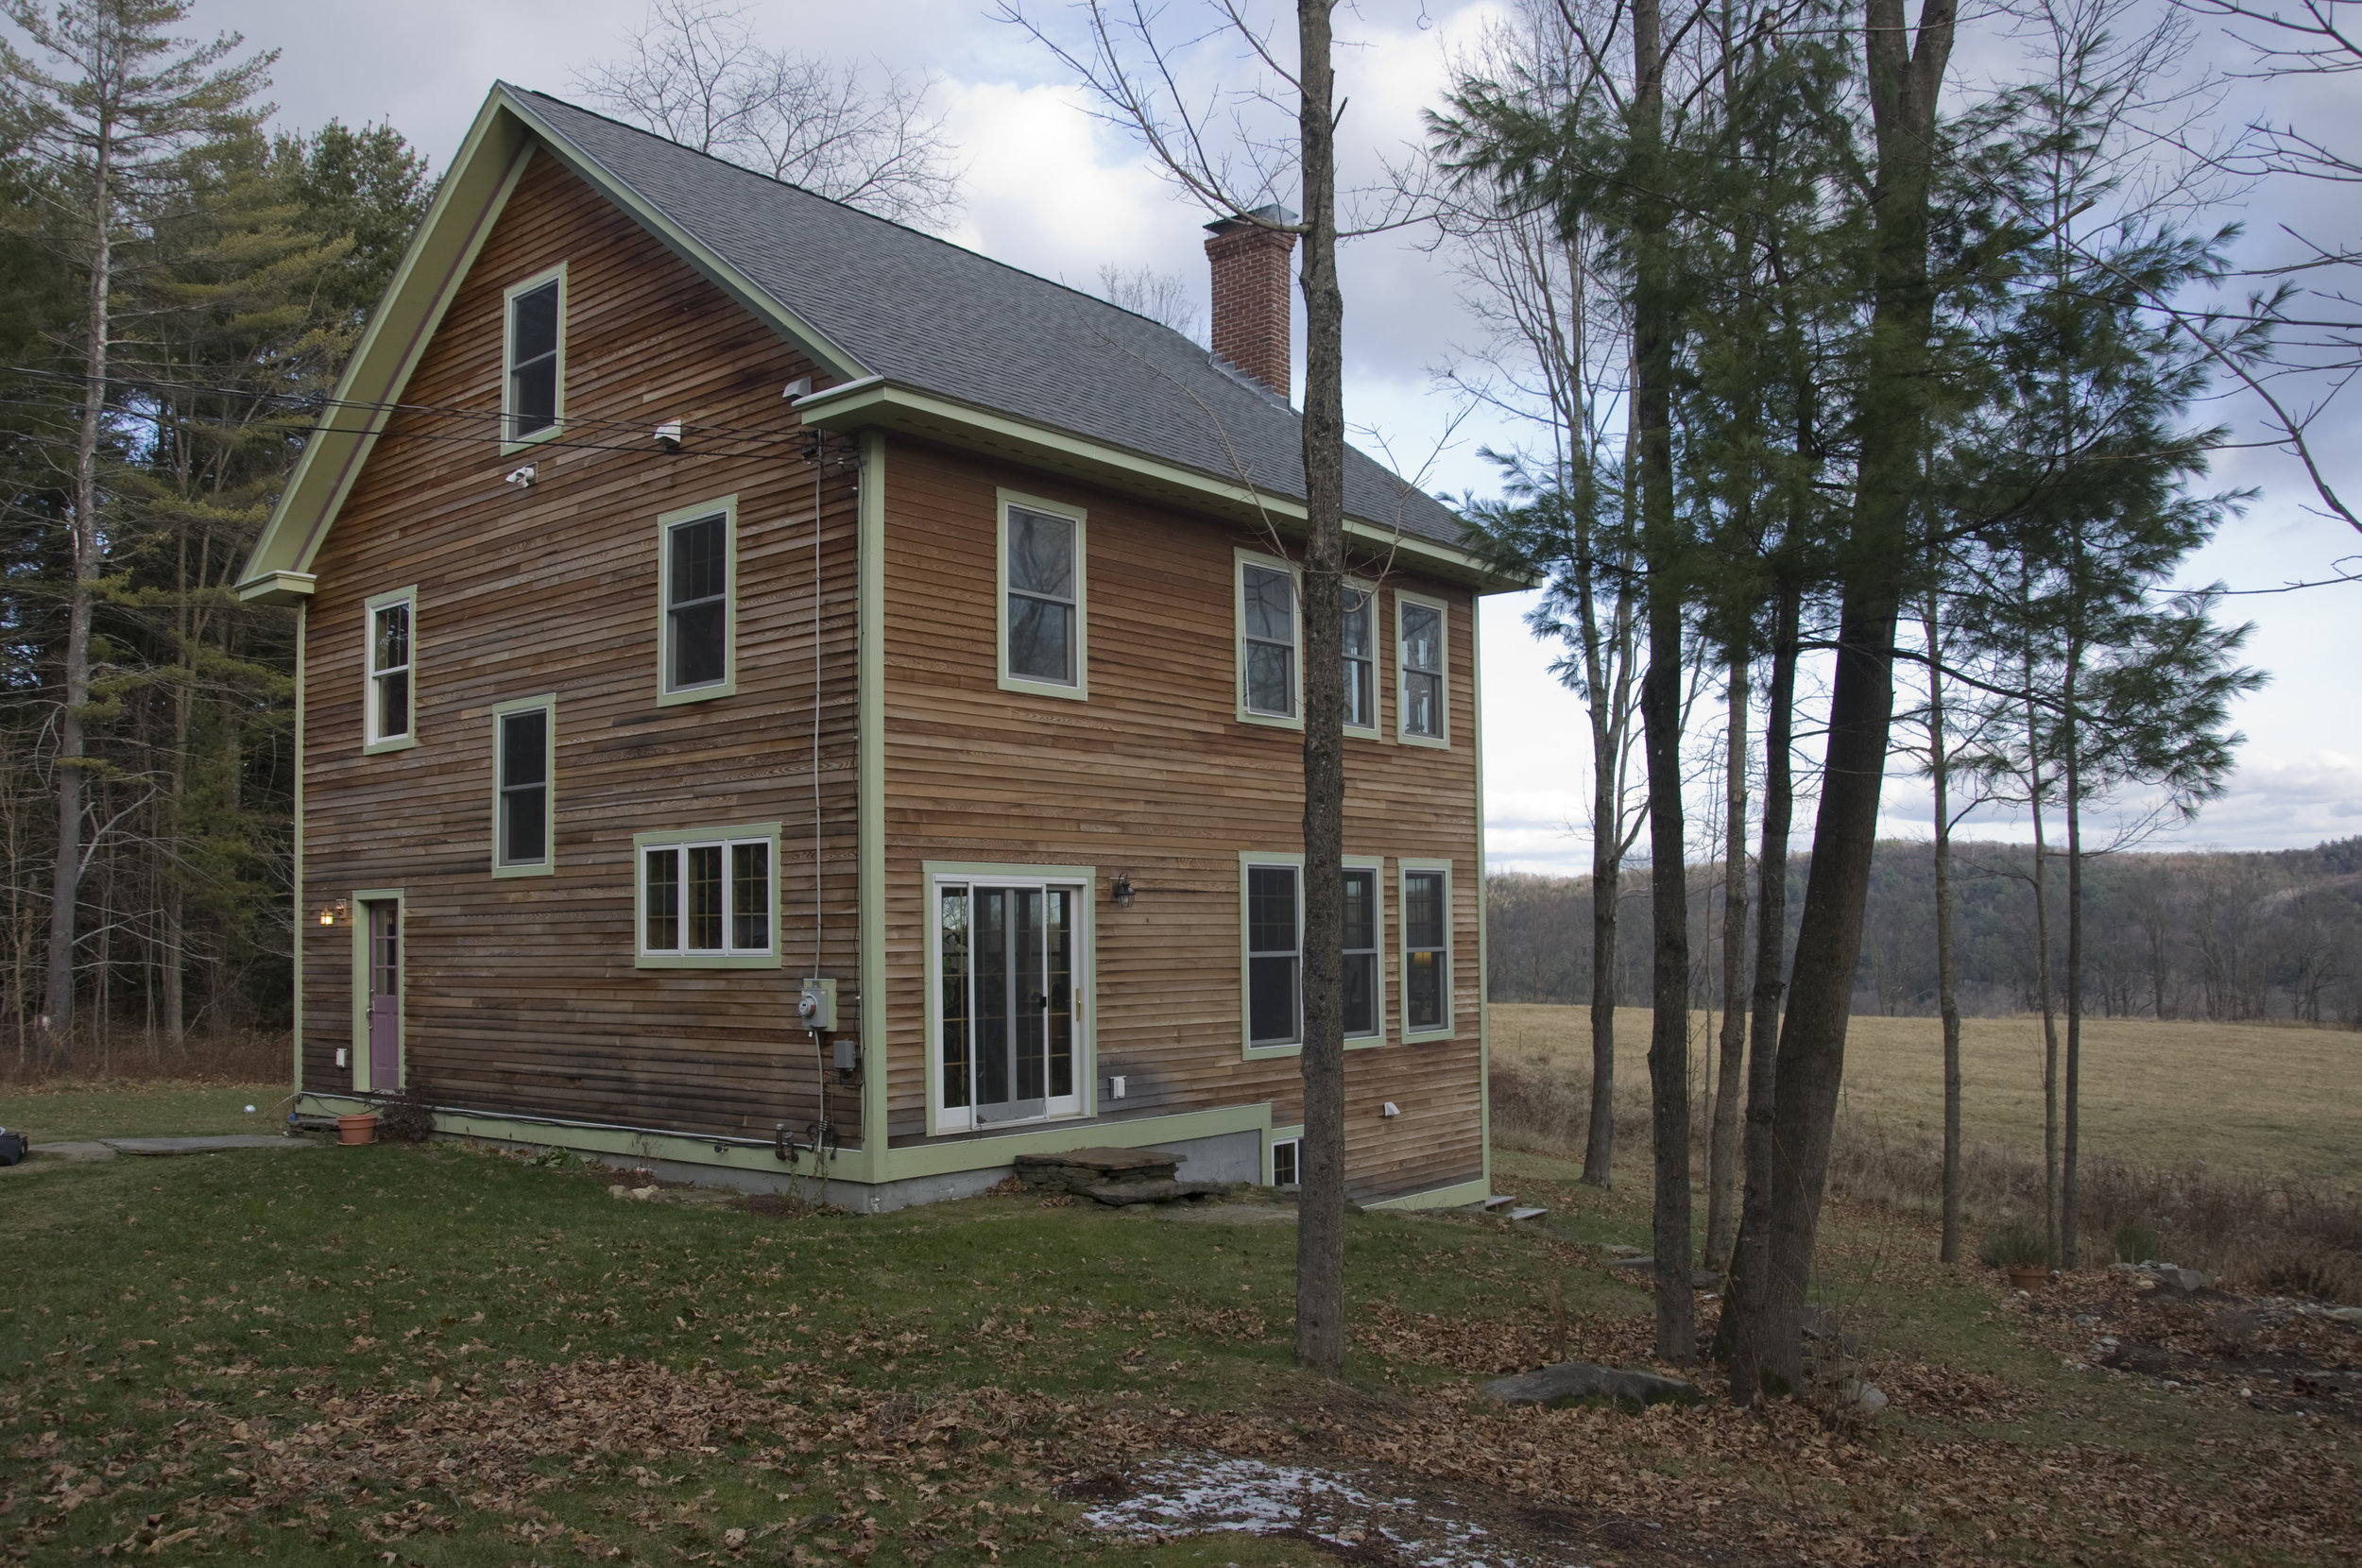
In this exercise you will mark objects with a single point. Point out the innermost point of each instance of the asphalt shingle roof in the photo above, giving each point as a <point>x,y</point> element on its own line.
<point>926,312</point>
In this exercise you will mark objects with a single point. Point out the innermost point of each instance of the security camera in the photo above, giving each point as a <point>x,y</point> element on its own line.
<point>522,478</point>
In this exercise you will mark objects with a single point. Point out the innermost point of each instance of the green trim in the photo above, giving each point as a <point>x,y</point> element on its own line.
<point>1458,1195</point>
<point>1484,940</point>
<point>359,904</point>
<point>511,445</point>
<point>1080,690</point>
<point>875,402</point>
<point>1240,558</point>
<point>1086,963</point>
<point>635,1142</point>
<point>295,846</point>
<point>1249,1049</point>
<point>278,587</point>
<point>985,1151</point>
<point>1274,1137</point>
<point>725,833</point>
<point>1443,672</point>
<point>468,201</point>
<point>727,508</point>
<point>371,745</point>
<point>869,619</point>
<point>1377,866</point>
<point>1374,731</point>
<point>547,702</point>
<point>1403,868</point>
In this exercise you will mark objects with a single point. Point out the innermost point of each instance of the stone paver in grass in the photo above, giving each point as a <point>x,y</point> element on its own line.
<point>106,1148</point>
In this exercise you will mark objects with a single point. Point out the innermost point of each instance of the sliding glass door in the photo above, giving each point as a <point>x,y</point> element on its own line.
<point>1010,1033</point>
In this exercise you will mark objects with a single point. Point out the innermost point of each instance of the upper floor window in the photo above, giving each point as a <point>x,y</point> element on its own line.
<point>392,665</point>
<point>1361,611</point>
<point>1419,693</point>
<point>1043,646</point>
<point>1269,644</point>
<point>699,584</point>
<point>707,899</point>
<point>533,398</point>
<point>523,753</point>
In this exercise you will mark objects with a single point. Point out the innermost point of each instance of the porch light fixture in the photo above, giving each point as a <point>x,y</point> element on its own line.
<point>1121,891</point>
<point>337,914</point>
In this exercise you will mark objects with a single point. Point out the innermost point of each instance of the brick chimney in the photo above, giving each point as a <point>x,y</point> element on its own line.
<point>1251,294</point>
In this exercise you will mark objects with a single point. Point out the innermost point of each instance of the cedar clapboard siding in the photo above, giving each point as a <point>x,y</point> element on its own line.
<point>1155,774</point>
<point>522,994</point>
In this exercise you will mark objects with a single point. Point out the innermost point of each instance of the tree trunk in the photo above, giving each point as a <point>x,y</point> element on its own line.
<point>1947,963</point>
<point>65,882</point>
<point>1607,836</point>
<point>2043,985</point>
<point>1320,1231</point>
<point>2070,1191</point>
<point>1874,558</point>
<point>1723,1143</point>
<point>1660,702</point>
<point>1751,1259</point>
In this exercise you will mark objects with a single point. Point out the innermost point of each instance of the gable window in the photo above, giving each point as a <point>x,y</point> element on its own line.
<point>524,742</point>
<point>1360,608</point>
<point>1425,949</point>
<point>1361,951</point>
<point>1275,956</point>
<point>707,899</point>
<point>1419,677</point>
<point>534,397</point>
<point>1269,642</point>
<point>392,665</point>
<point>699,587</point>
<point>1043,646</point>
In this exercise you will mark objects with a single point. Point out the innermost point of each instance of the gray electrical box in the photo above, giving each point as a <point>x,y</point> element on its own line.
<point>815,1008</point>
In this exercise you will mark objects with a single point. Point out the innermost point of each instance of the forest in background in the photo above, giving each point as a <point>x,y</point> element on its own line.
<point>2231,937</point>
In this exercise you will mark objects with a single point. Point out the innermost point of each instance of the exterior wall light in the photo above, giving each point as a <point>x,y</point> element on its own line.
<point>337,914</point>
<point>1121,891</point>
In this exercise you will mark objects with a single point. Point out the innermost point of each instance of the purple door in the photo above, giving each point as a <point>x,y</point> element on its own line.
<point>385,996</point>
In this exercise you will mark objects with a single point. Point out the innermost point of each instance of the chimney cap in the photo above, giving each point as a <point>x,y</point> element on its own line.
<point>1273,217</point>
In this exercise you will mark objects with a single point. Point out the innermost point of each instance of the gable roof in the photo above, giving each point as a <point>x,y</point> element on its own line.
<point>928,337</point>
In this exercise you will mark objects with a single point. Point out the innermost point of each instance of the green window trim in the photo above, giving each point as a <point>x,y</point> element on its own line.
<point>1249,858</point>
<point>667,694</point>
<point>1078,689</point>
<point>723,835</point>
<point>1240,560</point>
<point>1373,730</point>
<point>511,444</point>
<point>1376,869</point>
<point>547,704</point>
<point>373,678</point>
<point>1405,869</point>
<point>1441,740</point>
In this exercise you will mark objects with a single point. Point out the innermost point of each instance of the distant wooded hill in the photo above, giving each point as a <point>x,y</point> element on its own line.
<point>2201,936</point>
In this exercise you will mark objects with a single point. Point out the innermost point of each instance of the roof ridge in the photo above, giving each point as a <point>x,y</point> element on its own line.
<point>846,206</point>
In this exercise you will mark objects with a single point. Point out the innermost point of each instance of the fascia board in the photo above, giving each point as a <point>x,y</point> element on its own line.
<point>456,222</point>
<point>876,403</point>
<point>816,345</point>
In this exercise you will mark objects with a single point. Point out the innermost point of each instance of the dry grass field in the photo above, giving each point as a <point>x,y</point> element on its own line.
<point>2247,1097</point>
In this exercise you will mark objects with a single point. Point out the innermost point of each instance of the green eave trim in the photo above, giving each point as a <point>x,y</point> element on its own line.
<point>876,403</point>
<point>278,587</point>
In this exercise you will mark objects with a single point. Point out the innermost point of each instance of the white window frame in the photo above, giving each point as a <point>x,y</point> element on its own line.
<point>1377,868</point>
<point>1378,662</point>
<point>1078,688</point>
<point>1082,881</point>
<point>1442,739</point>
<point>1291,1139</point>
<point>667,694</point>
<point>1405,869</point>
<point>725,837</point>
<point>510,442</point>
<point>1240,560</point>
<point>373,740</point>
<point>547,705</point>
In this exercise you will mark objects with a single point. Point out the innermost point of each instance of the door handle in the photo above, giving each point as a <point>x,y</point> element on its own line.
<point>1038,1002</point>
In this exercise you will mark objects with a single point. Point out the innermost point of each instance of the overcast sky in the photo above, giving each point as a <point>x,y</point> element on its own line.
<point>1054,191</point>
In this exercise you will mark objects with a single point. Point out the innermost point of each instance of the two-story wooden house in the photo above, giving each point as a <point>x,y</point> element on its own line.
<point>715,597</point>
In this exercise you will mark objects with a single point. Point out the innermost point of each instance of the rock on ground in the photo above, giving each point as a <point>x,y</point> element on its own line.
<point>1574,1381</point>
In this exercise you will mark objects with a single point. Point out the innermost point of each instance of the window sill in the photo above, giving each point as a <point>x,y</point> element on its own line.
<point>400,742</point>
<point>1434,742</point>
<point>540,869</point>
<point>706,961</point>
<point>698,693</point>
<point>1270,721</point>
<point>526,443</point>
<point>1430,1036</point>
<point>1358,732</point>
<point>1076,693</point>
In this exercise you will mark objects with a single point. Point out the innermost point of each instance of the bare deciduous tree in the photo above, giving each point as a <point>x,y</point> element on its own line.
<point>1161,297</point>
<point>695,72</point>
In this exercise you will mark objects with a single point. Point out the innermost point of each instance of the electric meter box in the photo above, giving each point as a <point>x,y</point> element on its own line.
<point>815,1008</point>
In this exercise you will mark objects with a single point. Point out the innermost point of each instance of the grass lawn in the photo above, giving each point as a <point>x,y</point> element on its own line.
<point>67,1111</point>
<point>441,1356</point>
<point>2251,1097</point>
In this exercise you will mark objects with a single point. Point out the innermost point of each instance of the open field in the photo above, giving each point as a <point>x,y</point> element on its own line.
<point>62,1113</point>
<point>2249,1097</point>
<point>442,1356</point>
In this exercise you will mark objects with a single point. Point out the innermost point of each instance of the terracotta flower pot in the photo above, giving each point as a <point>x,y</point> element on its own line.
<point>360,1128</point>
<point>2028,1276</point>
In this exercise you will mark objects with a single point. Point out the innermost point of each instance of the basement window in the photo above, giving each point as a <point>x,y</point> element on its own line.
<point>1284,1162</point>
<point>533,397</point>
